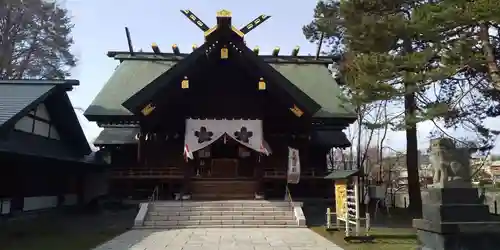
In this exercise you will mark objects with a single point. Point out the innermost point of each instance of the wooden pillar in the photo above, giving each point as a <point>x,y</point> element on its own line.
<point>80,188</point>
<point>259,175</point>
<point>140,146</point>
<point>62,185</point>
<point>188,174</point>
<point>17,185</point>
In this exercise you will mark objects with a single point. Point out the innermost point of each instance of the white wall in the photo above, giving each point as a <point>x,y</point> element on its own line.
<point>5,206</point>
<point>39,202</point>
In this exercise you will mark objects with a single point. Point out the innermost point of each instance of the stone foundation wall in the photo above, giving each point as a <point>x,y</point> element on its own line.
<point>401,200</point>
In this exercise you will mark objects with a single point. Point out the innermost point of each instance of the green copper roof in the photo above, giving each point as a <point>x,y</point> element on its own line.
<point>128,78</point>
<point>341,174</point>
<point>132,75</point>
<point>316,81</point>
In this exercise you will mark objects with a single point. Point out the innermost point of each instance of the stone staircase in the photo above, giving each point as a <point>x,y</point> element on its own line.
<point>218,214</point>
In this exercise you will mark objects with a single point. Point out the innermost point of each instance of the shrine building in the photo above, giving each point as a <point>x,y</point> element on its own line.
<point>220,122</point>
<point>45,158</point>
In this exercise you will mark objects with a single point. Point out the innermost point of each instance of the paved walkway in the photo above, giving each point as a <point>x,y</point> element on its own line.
<point>220,239</point>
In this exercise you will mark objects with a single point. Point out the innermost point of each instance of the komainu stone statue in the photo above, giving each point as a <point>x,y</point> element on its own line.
<point>451,165</point>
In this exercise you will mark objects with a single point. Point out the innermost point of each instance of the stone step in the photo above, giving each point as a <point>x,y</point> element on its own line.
<point>228,203</point>
<point>218,222</point>
<point>215,213</point>
<point>216,226</point>
<point>222,209</point>
<point>217,217</point>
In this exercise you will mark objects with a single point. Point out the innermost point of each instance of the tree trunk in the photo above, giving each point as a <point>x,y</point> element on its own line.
<point>414,192</point>
<point>489,55</point>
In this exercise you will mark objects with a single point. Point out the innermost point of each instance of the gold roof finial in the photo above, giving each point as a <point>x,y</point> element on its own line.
<point>224,13</point>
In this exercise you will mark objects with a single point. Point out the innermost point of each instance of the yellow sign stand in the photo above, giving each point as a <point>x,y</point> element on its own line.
<point>347,206</point>
<point>341,198</point>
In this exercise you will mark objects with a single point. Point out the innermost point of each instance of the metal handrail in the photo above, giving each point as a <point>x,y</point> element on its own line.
<point>288,196</point>
<point>154,195</point>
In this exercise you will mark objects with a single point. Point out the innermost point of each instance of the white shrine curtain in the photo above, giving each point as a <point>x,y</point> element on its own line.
<point>248,133</point>
<point>202,133</point>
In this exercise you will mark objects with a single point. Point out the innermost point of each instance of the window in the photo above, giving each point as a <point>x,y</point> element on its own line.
<point>38,122</point>
<point>42,113</point>
<point>41,128</point>
<point>25,124</point>
<point>53,133</point>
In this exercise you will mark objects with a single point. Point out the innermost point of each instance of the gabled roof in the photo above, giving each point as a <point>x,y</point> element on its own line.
<point>19,97</point>
<point>129,77</point>
<point>15,99</point>
<point>153,91</point>
<point>330,138</point>
<point>342,174</point>
<point>117,136</point>
<point>135,72</point>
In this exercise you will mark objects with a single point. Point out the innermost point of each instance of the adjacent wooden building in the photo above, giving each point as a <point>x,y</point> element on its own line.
<point>44,155</point>
<point>221,88</point>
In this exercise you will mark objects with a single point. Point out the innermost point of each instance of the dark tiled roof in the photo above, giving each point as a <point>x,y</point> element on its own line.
<point>121,135</point>
<point>16,98</point>
<point>133,75</point>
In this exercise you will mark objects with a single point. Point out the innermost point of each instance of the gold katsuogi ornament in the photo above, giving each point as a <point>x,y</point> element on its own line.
<point>297,111</point>
<point>185,83</point>
<point>148,109</point>
<point>155,48</point>
<point>262,84</point>
<point>224,53</point>
<point>256,50</point>
<point>295,51</point>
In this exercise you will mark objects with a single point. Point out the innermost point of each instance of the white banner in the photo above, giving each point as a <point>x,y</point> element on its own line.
<point>293,174</point>
<point>202,133</point>
<point>247,132</point>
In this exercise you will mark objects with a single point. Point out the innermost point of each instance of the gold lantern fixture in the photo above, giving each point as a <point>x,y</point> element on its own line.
<point>297,111</point>
<point>185,83</point>
<point>262,84</point>
<point>224,53</point>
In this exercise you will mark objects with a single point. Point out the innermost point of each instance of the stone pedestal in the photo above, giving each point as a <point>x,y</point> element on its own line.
<point>453,218</point>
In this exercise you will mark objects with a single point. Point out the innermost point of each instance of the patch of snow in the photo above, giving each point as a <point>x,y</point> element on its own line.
<point>90,129</point>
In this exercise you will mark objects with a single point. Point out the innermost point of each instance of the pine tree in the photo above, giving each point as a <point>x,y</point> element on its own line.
<point>473,27</point>
<point>35,40</point>
<point>472,36</point>
<point>392,52</point>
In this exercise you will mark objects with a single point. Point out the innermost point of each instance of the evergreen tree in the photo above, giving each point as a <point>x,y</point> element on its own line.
<point>473,28</point>
<point>414,52</point>
<point>35,40</point>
